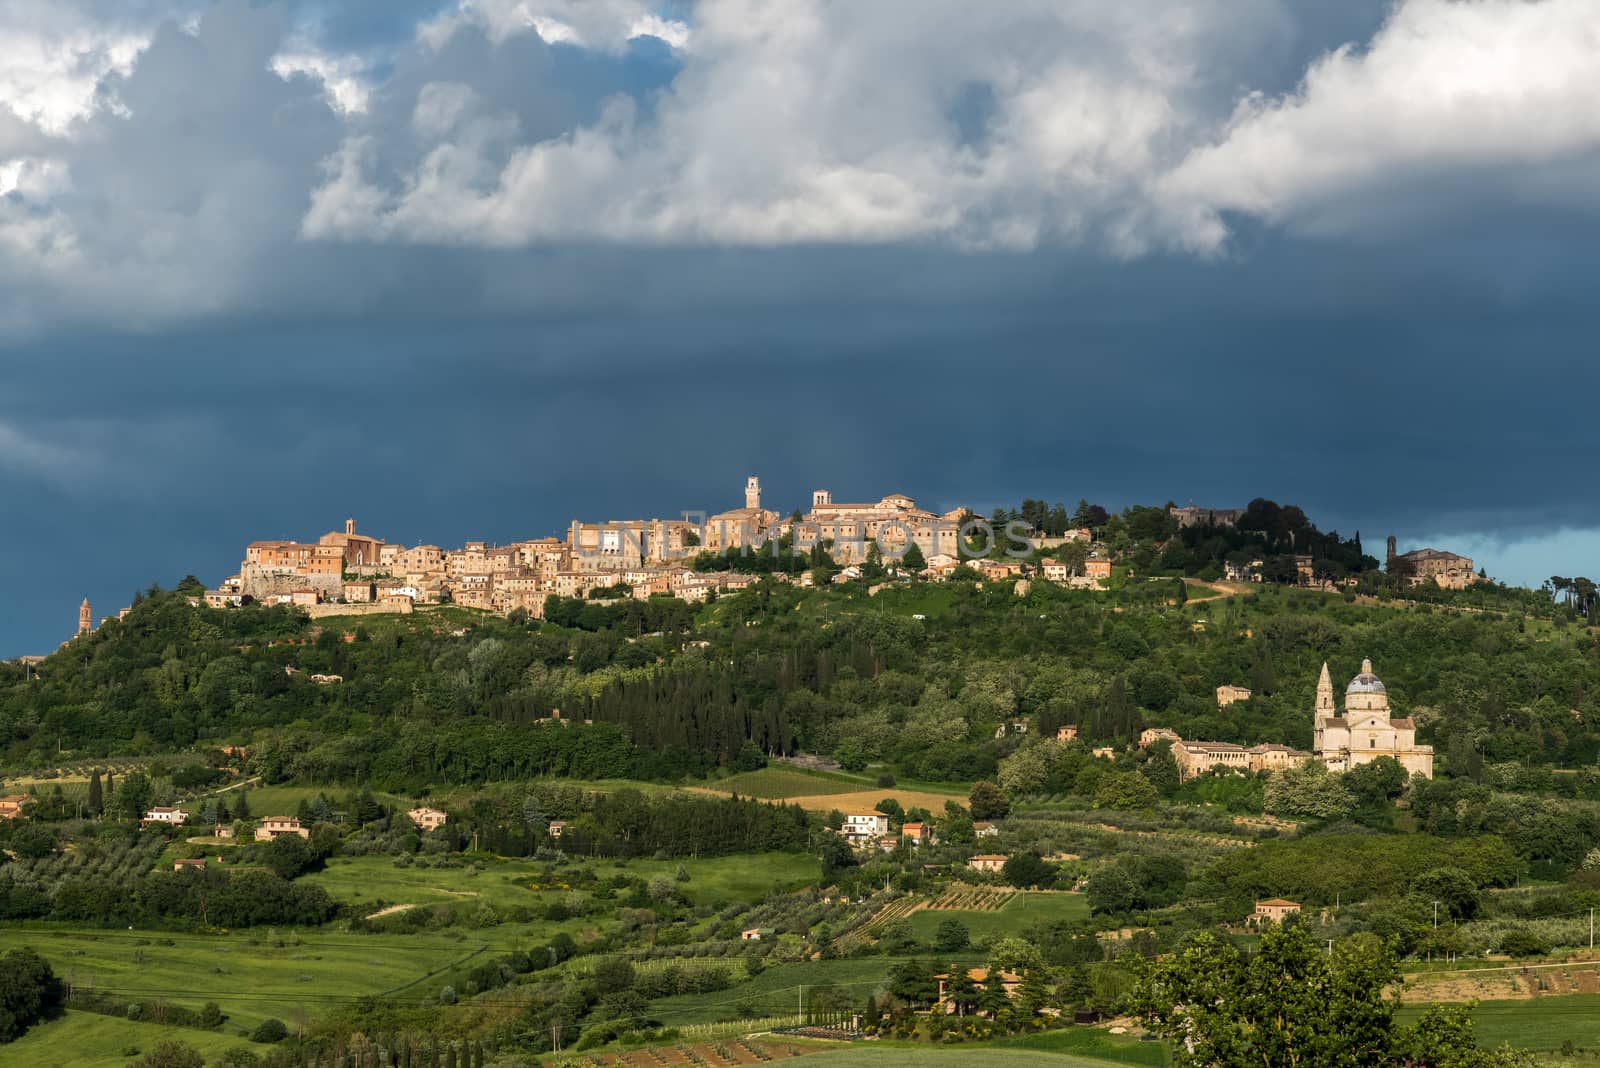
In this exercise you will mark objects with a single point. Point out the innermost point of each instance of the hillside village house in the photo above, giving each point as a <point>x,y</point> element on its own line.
<point>1227,695</point>
<point>171,816</point>
<point>277,826</point>
<point>556,827</point>
<point>1239,571</point>
<point>1274,910</point>
<point>984,829</point>
<point>1151,735</point>
<point>1067,732</point>
<point>1097,568</point>
<point>11,806</point>
<point>980,977</point>
<point>987,862</point>
<point>918,833</point>
<point>756,934</point>
<point>427,819</point>
<point>865,826</point>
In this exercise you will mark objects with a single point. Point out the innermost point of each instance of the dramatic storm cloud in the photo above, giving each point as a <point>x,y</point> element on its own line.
<point>469,267</point>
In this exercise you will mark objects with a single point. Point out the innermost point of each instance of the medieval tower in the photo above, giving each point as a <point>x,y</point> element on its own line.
<point>85,618</point>
<point>752,493</point>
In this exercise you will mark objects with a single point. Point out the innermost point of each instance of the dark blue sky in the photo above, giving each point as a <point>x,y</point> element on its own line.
<point>462,276</point>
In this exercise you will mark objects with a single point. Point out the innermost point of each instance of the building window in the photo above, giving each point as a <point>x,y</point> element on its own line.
<point>1372,743</point>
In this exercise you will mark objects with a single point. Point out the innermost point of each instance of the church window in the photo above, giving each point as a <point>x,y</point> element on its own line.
<point>1372,743</point>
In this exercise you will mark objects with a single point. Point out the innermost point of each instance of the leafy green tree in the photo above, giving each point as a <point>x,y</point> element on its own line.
<point>913,560</point>
<point>1444,1037</point>
<point>961,991</point>
<point>851,754</point>
<point>1377,783</point>
<point>28,990</point>
<point>914,982</point>
<point>1073,990</point>
<point>988,801</point>
<point>1111,890</point>
<point>1289,1004</point>
<point>613,974</point>
<point>992,996</point>
<point>269,1030</point>
<point>1033,993</point>
<point>951,936</point>
<point>170,1053</point>
<point>133,796</point>
<point>1027,871</point>
<point>1125,790</point>
<point>1309,791</point>
<point>1453,888</point>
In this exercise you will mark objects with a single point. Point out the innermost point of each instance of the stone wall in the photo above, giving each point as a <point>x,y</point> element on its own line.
<point>323,611</point>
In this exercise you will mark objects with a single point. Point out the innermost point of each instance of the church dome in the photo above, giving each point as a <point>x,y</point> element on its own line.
<point>1366,682</point>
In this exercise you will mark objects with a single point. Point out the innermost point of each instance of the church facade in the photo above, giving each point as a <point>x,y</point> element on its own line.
<point>1366,730</point>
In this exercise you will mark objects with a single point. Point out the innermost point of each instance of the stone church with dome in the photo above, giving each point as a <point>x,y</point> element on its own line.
<point>1365,731</point>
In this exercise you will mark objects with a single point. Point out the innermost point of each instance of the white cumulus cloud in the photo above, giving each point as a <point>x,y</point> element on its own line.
<point>1449,91</point>
<point>606,24</point>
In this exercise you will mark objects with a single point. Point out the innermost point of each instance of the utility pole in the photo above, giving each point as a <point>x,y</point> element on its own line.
<point>1591,927</point>
<point>1435,915</point>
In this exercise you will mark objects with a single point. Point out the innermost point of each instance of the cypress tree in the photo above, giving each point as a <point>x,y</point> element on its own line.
<point>96,798</point>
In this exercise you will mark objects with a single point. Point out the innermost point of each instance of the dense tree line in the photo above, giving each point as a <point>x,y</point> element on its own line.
<point>169,899</point>
<point>784,669</point>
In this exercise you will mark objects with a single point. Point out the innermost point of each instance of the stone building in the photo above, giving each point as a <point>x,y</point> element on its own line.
<point>737,528</point>
<point>892,522</point>
<point>1196,758</point>
<point>1446,569</point>
<point>1366,730</point>
<point>1228,694</point>
<point>1191,516</point>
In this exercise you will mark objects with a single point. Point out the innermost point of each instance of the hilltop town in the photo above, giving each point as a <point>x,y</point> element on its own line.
<point>351,573</point>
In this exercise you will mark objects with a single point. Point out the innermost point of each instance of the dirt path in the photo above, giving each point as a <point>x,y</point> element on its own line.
<point>1219,590</point>
<point>390,911</point>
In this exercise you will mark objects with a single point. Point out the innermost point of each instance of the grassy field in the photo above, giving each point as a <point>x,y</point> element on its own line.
<point>88,1040</point>
<point>1096,1043</point>
<point>505,883</point>
<point>247,974</point>
<point>1534,1023</point>
<point>775,991</point>
<point>1022,911</point>
<point>265,973</point>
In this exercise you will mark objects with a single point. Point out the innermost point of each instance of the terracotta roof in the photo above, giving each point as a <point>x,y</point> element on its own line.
<point>1278,902</point>
<point>1404,724</point>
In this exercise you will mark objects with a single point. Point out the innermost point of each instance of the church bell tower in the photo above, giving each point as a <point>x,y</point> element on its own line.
<point>1325,706</point>
<point>752,493</point>
<point>85,618</point>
